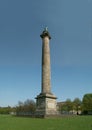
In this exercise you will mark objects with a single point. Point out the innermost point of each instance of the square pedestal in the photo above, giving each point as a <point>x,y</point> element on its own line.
<point>46,105</point>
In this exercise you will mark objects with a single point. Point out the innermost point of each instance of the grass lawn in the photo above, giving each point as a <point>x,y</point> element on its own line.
<point>66,123</point>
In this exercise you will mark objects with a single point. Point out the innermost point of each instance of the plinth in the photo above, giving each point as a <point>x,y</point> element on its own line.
<point>46,105</point>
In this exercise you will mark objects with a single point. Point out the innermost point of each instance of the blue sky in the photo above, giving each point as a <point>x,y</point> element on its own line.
<point>70,25</point>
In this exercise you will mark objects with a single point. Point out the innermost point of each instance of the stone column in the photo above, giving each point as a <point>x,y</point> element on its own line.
<point>46,76</point>
<point>46,104</point>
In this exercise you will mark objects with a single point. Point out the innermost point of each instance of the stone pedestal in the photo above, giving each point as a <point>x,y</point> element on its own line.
<point>46,105</point>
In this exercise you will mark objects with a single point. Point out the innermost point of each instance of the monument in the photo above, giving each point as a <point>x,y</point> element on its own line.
<point>46,104</point>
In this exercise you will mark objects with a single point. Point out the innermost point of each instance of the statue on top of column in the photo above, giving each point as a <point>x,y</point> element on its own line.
<point>46,29</point>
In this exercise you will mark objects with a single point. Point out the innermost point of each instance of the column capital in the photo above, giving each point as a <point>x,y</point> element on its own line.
<point>45,33</point>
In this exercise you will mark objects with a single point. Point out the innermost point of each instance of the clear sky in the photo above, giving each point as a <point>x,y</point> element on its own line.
<point>70,25</point>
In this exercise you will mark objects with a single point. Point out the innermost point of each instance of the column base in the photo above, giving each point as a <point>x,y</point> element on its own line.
<point>46,105</point>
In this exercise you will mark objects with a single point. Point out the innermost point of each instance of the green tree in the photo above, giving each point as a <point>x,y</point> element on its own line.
<point>5,110</point>
<point>87,103</point>
<point>77,104</point>
<point>67,106</point>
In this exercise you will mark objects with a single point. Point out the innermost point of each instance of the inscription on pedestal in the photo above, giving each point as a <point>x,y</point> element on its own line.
<point>51,105</point>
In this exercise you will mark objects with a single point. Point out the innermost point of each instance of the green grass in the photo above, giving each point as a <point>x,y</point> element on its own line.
<point>66,123</point>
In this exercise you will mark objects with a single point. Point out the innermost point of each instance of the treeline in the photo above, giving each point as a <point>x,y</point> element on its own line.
<point>77,106</point>
<point>27,107</point>
<point>70,107</point>
<point>5,110</point>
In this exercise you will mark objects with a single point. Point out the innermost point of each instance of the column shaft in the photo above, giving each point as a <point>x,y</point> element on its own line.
<point>46,76</point>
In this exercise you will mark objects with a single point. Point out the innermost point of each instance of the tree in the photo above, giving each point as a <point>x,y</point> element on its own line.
<point>25,108</point>
<point>5,110</point>
<point>29,105</point>
<point>87,103</point>
<point>67,106</point>
<point>77,104</point>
